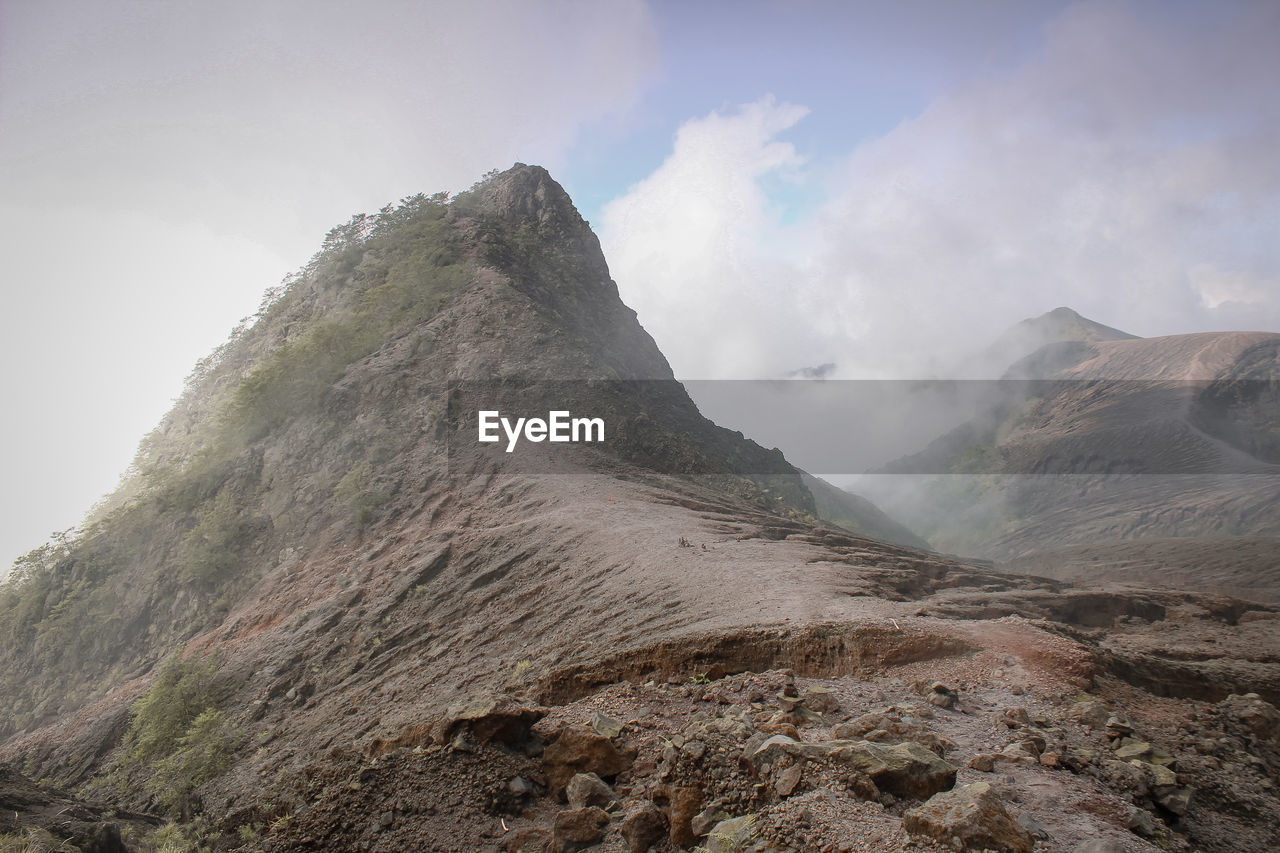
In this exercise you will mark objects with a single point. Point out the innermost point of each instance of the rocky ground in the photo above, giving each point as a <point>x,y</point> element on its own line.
<point>997,756</point>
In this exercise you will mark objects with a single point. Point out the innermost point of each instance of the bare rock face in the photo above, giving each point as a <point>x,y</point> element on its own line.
<point>974,815</point>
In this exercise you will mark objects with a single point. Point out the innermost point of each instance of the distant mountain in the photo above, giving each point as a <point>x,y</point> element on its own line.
<point>1112,440</point>
<point>1027,336</point>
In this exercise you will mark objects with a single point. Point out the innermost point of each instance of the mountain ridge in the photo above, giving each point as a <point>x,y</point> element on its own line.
<point>308,621</point>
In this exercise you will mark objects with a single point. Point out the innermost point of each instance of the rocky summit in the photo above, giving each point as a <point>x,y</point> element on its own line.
<point>317,615</point>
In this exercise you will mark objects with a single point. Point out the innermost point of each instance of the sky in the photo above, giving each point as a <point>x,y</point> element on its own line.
<point>880,186</point>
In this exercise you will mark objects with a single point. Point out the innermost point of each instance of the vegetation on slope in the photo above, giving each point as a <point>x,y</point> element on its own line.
<point>187,532</point>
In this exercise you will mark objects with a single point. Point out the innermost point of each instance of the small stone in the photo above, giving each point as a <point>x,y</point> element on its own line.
<point>1014,717</point>
<point>1052,760</point>
<point>788,780</point>
<point>984,762</point>
<point>1142,823</point>
<point>1118,726</point>
<point>1177,801</point>
<point>941,695</point>
<point>607,726</point>
<point>519,786</point>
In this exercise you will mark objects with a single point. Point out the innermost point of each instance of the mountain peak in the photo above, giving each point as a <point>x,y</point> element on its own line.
<point>525,192</point>
<point>1066,324</point>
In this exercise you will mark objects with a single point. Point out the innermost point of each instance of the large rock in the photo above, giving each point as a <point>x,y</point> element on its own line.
<point>974,815</point>
<point>819,699</point>
<point>731,836</point>
<point>1257,715</point>
<point>588,789</point>
<point>576,829</point>
<point>643,826</point>
<point>580,750</point>
<point>685,804</point>
<point>529,840</point>
<point>904,770</point>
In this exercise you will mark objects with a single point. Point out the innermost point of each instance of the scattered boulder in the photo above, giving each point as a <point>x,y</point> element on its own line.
<point>577,829</point>
<point>580,750</point>
<point>819,699</point>
<point>941,695</point>
<point>1015,717</point>
<point>730,836</point>
<point>643,826</point>
<point>604,725</point>
<point>975,816</point>
<point>1118,726</point>
<point>588,789</point>
<point>1141,822</point>
<point>788,780</point>
<point>1256,714</point>
<point>904,770</point>
<point>706,819</point>
<point>685,804</point>
<point>1129,750</point>
<point>1089,712</point>
<point>1177,800</point>
<point>533,839</point>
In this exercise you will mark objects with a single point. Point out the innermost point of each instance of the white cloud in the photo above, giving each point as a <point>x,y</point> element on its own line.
<point>695,250</point>
<point>1134,159</point>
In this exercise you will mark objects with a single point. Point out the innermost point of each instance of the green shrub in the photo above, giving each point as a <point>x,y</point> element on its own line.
<point>204,751</point>
<point>162,716</point>
<point>211,549</point>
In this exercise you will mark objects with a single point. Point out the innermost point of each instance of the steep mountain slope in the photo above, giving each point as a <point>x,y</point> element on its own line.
<point>321,616</point>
